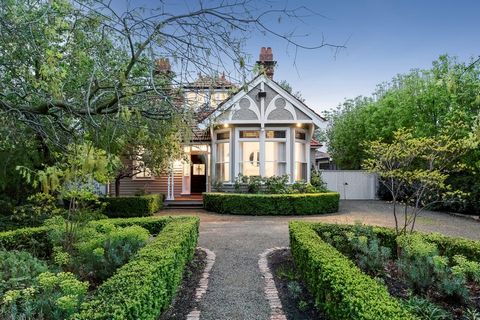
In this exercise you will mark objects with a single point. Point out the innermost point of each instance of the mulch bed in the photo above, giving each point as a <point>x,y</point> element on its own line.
<point>297,302</point>
<point>184,301</point>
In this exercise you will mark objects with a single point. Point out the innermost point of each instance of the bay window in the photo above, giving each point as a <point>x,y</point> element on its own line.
<point>275,153</point>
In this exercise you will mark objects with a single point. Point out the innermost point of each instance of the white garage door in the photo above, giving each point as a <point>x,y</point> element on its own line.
<point>351,184</point>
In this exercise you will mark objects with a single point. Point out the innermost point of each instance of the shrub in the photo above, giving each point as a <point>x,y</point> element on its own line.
<point>18,270</point>
<point>123,207</point>
<point>340,289</point>
<point>56,297</point>
<point>424,309</point>
<point>275,204</point>
<point>98,257</point>
<point>276,184</point>
<point>33,240</point>
<point>317,181</point>
<point>145,286</point>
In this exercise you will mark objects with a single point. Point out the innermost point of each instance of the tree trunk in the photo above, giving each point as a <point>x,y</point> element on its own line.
<point>117,186</point>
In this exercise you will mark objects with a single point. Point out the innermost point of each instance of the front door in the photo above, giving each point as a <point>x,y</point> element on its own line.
<point>198,171</point>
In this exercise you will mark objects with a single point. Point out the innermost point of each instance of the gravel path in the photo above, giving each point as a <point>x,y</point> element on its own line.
<point>236,285</point>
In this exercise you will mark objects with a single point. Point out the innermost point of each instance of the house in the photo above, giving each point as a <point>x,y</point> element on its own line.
<point>259,130</point>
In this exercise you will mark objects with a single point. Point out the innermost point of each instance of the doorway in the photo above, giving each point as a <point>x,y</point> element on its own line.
<point>198,170</point>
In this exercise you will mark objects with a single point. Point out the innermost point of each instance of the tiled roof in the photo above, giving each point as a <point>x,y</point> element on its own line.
<point>211,82</point>
<point>201,135</point>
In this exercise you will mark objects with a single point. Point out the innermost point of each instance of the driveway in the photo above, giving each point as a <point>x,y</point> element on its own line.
<point>236,285</point>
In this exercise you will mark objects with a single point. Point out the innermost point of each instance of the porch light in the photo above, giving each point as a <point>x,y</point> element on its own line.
<point>225,125</point>
<point>299,125</point>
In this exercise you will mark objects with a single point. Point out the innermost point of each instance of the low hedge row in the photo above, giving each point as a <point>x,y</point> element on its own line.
<point>339,287</point>
<point>135,206</point>
<point>144,287</point>
<point>36,241</point>
<point>271,204</point>
<point>447,246</point>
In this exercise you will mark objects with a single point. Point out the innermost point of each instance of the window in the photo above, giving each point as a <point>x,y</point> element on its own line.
<point>222,166</point>
<point>249,152</point>
<point>275,153</point>
<point>249,134</point>
<point>300,156</point>
<point>223,135</point>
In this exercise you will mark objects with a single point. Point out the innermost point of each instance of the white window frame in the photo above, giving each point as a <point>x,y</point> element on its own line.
<point>237,147</point>
<point>307,156</point>
<point>217,142</point>
<point>286,140</point>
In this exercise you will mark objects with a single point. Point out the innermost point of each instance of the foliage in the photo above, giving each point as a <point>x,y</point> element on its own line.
<point>271,204</point>
<point>102,253</point>
<point>340,289</point>
<point>38,208</point>
<point>426,101</point>
<point>414,170</point>
<point>123,207</point>
<point>18,270</point>
<point>33,240</point>
<point>57,296</point>
<point>370,256</point>
<point>424,309</point>
<point>317,181</point>
<point>147,284</point>
<point>276,184</point>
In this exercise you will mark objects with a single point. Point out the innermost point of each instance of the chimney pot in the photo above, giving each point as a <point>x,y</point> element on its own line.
<point>266,61</point>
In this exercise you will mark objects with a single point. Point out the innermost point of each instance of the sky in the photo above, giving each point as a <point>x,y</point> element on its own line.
<point>382,38</point>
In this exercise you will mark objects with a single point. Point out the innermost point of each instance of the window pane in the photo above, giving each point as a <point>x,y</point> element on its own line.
<point>300,171</point>
<point>275,151</point>
<point>299,135</point>
<point>276,134</point>
<point>223,135</point>
<point>249,158</point>
<point>300,152</point>
<point>250,134</point>
<point>223,171</point>
<point>223,152</point>
<point>250,168</point>
<point>275,169</point>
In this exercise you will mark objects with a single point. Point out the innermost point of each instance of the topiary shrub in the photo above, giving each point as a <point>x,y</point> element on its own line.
<point>123,207</point>
<point>271,204</point>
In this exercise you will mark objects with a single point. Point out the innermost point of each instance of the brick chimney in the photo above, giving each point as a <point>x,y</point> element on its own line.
<point>266,61</point>
<point>162,66</point>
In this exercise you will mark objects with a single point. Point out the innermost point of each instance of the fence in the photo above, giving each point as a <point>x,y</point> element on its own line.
<point>351,184</point>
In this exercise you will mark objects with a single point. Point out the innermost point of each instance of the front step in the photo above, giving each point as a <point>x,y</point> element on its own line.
<point>184,204</point>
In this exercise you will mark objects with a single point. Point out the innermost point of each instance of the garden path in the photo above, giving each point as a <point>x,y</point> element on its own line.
<point>236,287</point>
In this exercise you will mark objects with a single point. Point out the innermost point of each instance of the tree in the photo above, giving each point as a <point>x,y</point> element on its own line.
<point>415,170</point>
<point>425,101</point>
<point>75,71</point>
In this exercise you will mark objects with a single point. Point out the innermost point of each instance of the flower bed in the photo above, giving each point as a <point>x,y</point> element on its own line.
<point>271,204</point>
<point>341,289</point>
<point>146,282</point>
<point>431,275</point>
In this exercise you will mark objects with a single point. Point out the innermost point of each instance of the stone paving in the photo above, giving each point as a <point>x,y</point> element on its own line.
<point>236,287</point>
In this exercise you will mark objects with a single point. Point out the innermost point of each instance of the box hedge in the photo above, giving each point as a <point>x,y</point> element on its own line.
<point>135,206</point>
<point>36,241</point>
<point>145,286</point>
<point>447,246</point>
<point>271,204</point>
<point>339,287</point>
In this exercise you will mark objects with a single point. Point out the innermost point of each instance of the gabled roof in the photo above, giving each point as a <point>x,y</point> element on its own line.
<point>242,91</point>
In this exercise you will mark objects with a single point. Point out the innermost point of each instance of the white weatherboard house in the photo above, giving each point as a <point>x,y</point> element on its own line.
<point>262,130</point>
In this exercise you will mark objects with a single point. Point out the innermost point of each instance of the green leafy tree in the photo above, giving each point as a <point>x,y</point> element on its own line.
<point>415,170</point>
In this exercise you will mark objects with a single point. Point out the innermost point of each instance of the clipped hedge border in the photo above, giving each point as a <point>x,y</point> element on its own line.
<point>271,204</point>
<point>36,241</point>
<point>135,206</point>
<point>339,287</point>
<point>145,286</point>
<point>447,246</point>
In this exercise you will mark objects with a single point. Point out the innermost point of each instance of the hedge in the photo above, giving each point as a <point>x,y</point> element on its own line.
<point>145,286</point>
<point>447,246</point>
<point>271,204</point>
<point>339,287</point>
<point>135,206</point>
<point>36,241</point>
